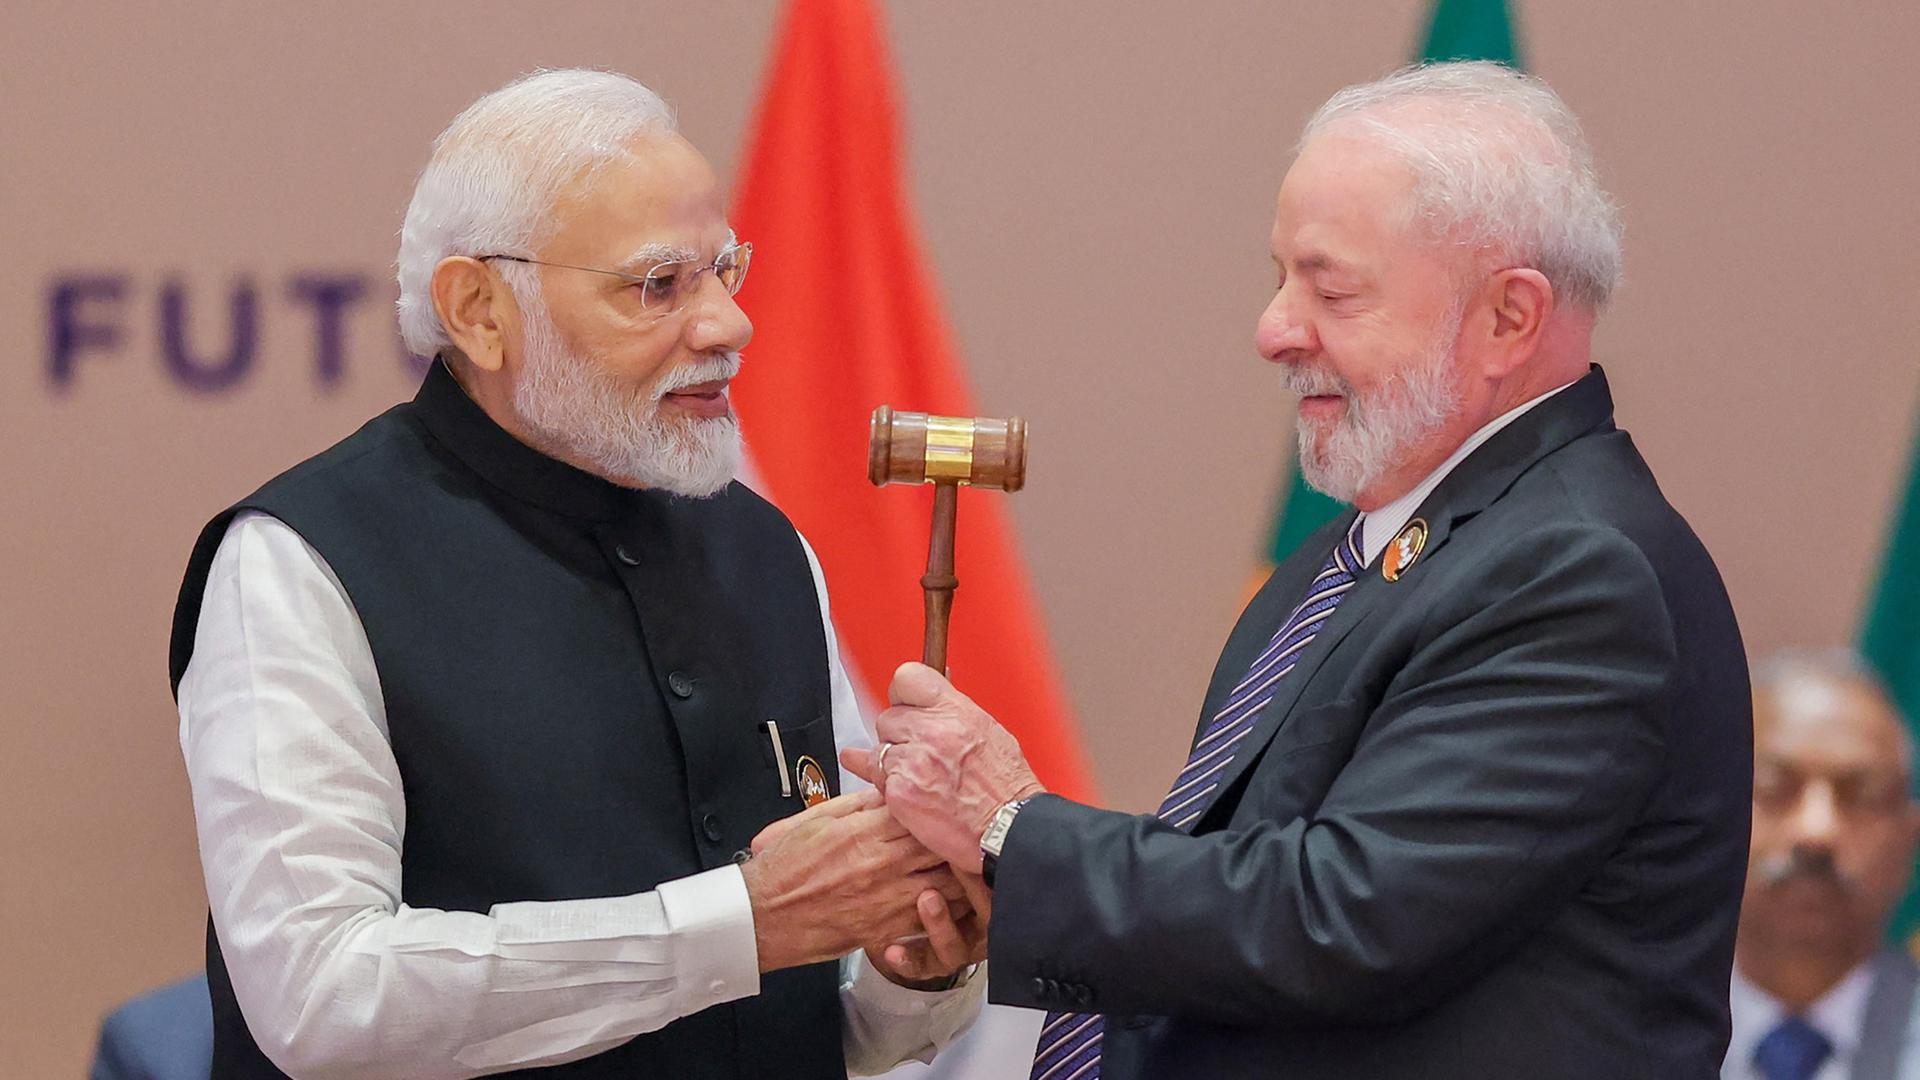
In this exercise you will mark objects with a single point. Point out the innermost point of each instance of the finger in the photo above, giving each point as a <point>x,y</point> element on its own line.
<point>843,805</point>
<point>880,826</point>
<point>836,807</point>
<point>941,881</point>
<point>865,764</point>
<point>907,854</point>
<point>979,897</point>
<point>917,684</point>
<point>949,948</point>
<point>904,960</point>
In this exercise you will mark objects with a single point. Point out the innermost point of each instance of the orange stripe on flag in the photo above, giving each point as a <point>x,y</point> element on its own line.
<point>845,319</point>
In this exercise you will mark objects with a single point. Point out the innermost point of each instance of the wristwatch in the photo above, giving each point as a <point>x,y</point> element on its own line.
<point>995,837</point>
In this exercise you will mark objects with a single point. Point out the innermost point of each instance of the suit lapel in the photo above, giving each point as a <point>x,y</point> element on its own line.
<point>1368,595</point>
<point>1264,614</point>
<point>1471,487</point>
<point>1888,1013</point>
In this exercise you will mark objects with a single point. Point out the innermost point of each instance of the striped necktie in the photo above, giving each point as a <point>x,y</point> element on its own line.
<point>1069,1047</point>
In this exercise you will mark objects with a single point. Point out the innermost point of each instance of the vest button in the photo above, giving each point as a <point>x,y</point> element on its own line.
<point>710,824</point>
<point>625,556</point>
<point>681,684</point>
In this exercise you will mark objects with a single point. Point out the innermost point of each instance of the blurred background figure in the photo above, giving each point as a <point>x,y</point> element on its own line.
<point>165,1034</point>
<point>1818,992</point>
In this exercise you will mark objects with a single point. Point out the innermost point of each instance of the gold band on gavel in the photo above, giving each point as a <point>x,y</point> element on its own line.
<point>950,448</point>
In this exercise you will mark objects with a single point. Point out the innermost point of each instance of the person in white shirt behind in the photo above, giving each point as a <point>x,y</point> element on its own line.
<point>1818,992</point>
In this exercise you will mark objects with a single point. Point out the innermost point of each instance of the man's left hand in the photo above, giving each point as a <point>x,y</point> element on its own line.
<point>956,936</point>
<point>947,765</point>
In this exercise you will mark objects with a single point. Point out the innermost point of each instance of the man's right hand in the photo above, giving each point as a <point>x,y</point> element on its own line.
<point>836,877</point>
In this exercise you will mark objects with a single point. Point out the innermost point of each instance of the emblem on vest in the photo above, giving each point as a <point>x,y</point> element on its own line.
<point>811,779</point>
<point>1404,549</point>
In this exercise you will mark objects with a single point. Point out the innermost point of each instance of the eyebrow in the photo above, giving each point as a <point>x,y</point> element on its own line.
<point>655,252</point>
<point>1320,262</point>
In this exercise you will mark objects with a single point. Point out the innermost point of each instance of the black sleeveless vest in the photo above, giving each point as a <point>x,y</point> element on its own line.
<point>578,679</point>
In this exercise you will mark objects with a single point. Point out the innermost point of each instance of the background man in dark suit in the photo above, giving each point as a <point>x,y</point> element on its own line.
<point>1470,794</point>
<point>1816,991</point>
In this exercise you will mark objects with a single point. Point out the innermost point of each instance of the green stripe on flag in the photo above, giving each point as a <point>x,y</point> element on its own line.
<point>1459,30</point>
<point>1471,30</point>
<point>1891,640</point>
<point>1304,511</point>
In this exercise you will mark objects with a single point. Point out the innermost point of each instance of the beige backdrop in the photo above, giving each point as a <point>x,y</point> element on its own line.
<point>1094,183</point>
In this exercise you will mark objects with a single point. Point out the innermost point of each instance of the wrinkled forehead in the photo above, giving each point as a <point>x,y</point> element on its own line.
<point>660,195</point>
<point>1343,188</point>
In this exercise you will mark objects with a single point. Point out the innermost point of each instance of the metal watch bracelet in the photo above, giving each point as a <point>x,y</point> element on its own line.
<point>995,837</point>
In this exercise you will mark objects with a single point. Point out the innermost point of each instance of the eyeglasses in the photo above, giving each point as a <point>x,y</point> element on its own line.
<point>666,288</point>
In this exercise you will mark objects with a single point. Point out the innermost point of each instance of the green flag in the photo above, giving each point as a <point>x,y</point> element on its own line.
<point>1891,640</point>
<point>1459,30</point>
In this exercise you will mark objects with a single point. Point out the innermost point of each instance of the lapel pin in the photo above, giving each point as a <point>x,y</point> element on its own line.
<point>812,781</point>
<point>1404,549</point>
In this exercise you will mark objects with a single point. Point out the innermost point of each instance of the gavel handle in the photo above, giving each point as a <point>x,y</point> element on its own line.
<point>939,581</point>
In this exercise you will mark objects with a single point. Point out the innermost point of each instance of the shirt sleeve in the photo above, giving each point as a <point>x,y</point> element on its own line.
<point>300,815</point>
<point>885,1023</point>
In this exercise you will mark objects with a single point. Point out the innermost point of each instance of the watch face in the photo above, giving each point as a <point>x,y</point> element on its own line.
<point>997,829</point>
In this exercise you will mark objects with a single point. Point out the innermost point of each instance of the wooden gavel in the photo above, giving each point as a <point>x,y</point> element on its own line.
<point>945,451</point>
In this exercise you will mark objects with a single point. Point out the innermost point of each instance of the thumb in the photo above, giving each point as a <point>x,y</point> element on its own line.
<point>918,685</point>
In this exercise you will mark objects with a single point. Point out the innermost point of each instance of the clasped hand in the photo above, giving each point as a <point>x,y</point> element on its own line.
<point>895,870</point>
<point>947,765</point>
<point>845,875</point>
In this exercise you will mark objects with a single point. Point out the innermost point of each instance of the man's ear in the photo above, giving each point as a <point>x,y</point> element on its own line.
<point>473,304</point>
<point>1521,301</point>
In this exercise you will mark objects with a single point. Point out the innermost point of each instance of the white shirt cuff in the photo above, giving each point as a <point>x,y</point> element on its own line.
<point>886,1023</point>
<point>710,921</point>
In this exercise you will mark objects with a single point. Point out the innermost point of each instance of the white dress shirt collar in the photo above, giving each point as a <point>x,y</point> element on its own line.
<point>1838,1014</point>
<point>1379,527</point>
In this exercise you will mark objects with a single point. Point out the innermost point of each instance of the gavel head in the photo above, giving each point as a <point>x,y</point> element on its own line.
<point>914,448</point>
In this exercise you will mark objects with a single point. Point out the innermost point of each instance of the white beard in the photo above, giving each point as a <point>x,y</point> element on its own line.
<point>579,412</point>
<point>1375,434</point>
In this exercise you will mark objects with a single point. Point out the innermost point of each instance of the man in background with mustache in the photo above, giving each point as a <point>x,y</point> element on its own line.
<point>1818,992</point>
<point>484,707</point>
<point>1469,794</point>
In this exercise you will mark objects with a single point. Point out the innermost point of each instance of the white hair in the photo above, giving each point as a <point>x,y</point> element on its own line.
<point>1499,163</point>
<point>497,170</point>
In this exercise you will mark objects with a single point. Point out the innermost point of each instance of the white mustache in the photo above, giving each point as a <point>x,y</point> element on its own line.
<point>1315,382</point>
<point>712,369</point>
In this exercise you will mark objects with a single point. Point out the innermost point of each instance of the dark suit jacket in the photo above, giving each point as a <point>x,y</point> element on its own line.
<point>1494,825</point>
